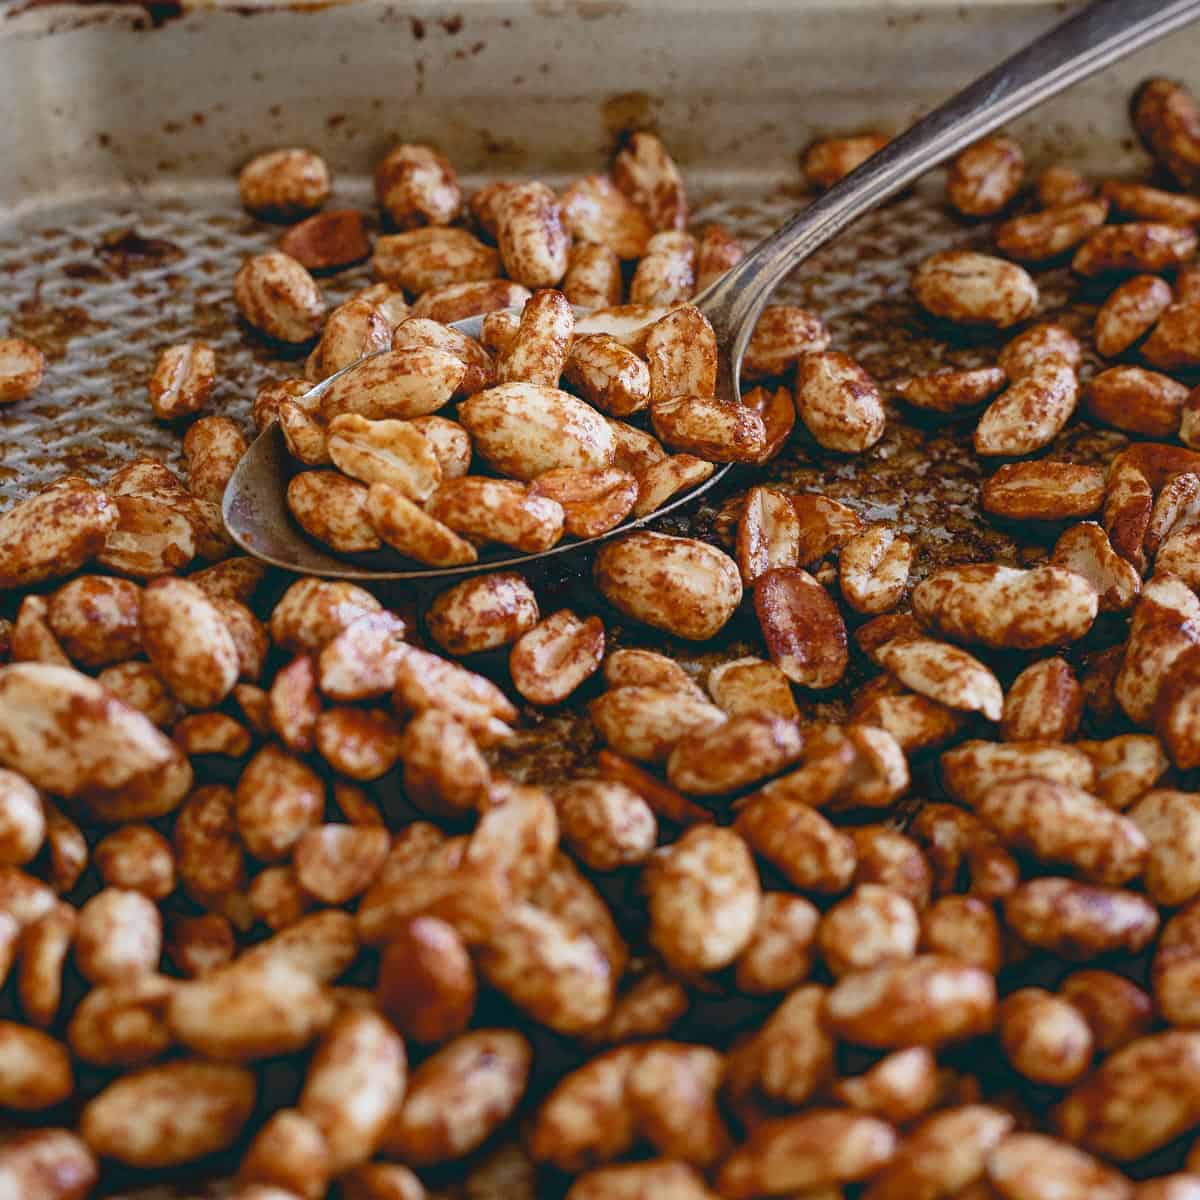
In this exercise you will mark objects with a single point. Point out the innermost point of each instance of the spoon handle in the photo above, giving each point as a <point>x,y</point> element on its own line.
<point>1103,32</point>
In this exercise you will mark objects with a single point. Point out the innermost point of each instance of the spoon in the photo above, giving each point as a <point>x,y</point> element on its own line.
<point>254,505</point>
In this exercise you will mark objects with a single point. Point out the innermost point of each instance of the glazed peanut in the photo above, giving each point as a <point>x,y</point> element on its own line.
<point>985,176</point>
<point>279,298</point>
<point>969,288</point>
<point>284,184</point>
<point>22,367</point>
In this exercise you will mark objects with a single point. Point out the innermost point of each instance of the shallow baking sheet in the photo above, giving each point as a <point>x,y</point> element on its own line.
<point>120,230</point>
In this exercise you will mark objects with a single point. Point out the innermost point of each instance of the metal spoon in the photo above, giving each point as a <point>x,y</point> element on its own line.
<point>254,507</point>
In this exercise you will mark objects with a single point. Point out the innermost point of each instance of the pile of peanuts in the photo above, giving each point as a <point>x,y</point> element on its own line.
<point>270,904</point>
<point>576,462</point>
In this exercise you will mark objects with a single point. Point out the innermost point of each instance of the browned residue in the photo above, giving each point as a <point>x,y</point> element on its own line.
<point>127,250</point>
<point>50,329</point>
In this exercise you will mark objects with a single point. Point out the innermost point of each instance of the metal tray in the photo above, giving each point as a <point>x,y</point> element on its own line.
<point>120,229</point>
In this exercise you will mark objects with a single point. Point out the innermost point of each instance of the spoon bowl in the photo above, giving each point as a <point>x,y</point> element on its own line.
<point>255,507</point>
<point>257,517</point>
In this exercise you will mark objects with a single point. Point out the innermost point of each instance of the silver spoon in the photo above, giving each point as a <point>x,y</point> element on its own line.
<point>255,509</point>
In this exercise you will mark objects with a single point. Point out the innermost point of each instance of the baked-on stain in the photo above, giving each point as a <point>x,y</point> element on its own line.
<point>50,329</point>
<point>127,250</point>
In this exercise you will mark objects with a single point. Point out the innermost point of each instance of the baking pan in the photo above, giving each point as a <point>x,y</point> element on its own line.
<point>120,229</point>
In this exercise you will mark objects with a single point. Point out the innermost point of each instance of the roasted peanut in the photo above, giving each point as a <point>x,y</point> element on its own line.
<point>595,210</point>
<point>54,532</point>
<point>37,1069</point>
<point>1116,1009</point>
<point>188,642</point>
<point>592,279</point>
<point>1044,1037</point>
<point>482,613</point>
<point>1043,704</point>
<point>526,429</point>
<point>413,532</point>
<point>1043,490</point>
<point>354,1087</point>
<point>703,896</point>
<point>943,1156</point>
<point>963,928</point>
<point>182,381</point>
<point>1170,821</point>
<point>803,630</point>
<point>332,508</point>
<point>278,798</point>
<point>752,685</point>
<point>388,451</point>
<point>737,753</point>
<point>974,289</point>
<point>828,160</point>
<point>806,1152</point>
<point>783,335</point>
<point>1160,632</point>
<point>779,954</point>
<point>198,945</point>
<point>328,240</point>
<point>335,863</point>
<point>644,171</point>
<point>608,374</point>
<point>499,510</point>
<point>22,819</point>
<point>213,446</point>
<point>717,252</point>
<point>289,1154</point>
<point>950,391</point>
<point>282,185</point>
<point>1137,1100</point>
<point>1077,920</point>
<point>111,744</point>
<point>1029,414</point>
<point>1165,117</point>
<point>415,186</point>
<point>22,367</point>
<point>1030,1166</point>
<point>799,842</point>
<point>1137,401</point>
<point>137,858</point>
<point>1037,237</point>
<point>433,257</point>
<point>119,936</point>
<point>838,402</point>
<point>459,1096</point>
<point>971,770</point>
<point>539,349</point>
<point>1004,607</point>
<point>872,925</point>
<point>248,1010</point>
<point>873,569</point>
<point>985,177</point>
<point>1140,246</point>
<point>593,501</point>
<point>170,1114</point>
<point>278,297</point>
<point>1086,550</point>
<point>925,1000</point>
<point>1129,313</point>
<point>531,235</point>
<point>426,981</point>
<point>1061,824</point>
<point>410,382</point>
<point>457,301</point>
<point>1059,184</point>
<point>944,673</point>
<point>680,585</point>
